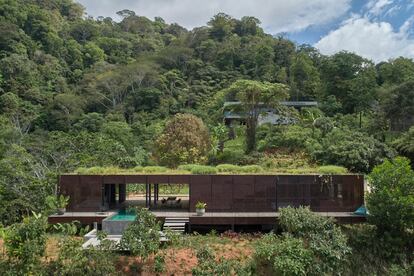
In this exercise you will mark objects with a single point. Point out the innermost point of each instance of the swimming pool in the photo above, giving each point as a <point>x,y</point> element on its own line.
<point>123,215</point>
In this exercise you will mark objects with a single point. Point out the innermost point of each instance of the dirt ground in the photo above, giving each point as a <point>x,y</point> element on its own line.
<point>179,259</point>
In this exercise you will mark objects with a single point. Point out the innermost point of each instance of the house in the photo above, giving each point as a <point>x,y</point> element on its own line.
<point>267,114</point>
<point>233,201</point>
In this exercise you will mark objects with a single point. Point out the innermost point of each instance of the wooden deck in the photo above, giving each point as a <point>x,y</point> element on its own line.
<point>207,218</point>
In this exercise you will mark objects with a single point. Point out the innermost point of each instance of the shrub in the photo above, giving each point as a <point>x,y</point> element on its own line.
<point>374,252</point>
<point>290,137</point>
<point>25,245</point>
<point>251,169</point>
<point>99,170</point>
<point>154,169</point>
<point>74,260</point>
<point>230,155</point>
<point>208,265</point>
<point>203,170</point>
<point>227,168</point>
<point>354,150</point>
<point>283,255</point>
<point>159,264</point>
<point>391,200</point>
<point>138,169</point>
<point>142,236</point>
<point>322,236</point>
<point>185,139</point>
<point>332,170</point>
<point>187,167</point>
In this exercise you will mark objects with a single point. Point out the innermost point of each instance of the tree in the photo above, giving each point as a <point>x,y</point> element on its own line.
<point>221,25</point>
<point>398,105</point>
<point>351,79</point>
<point>354,150</point>
<point>253,96</point>
<point>405,144</point>
<point>185,140</point>
<point>391,199</point>
<point>304,77</point>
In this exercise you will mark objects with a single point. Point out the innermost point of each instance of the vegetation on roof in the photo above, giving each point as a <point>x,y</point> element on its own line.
<point>203,169</point>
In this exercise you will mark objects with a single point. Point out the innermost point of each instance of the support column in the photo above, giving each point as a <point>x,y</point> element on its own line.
<point>113,194</point>
<point>122,193</point>
<point>155,194</point>
<point>146,195</point>
<point>149,195</point>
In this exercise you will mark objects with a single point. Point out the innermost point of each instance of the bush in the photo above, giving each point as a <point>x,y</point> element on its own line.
<point>187,167</point>
<point>373,252</point>
<point>283,255</point>
<point>332,170</point>
<point>228,168</point>
<point>142,236</point>
<point>322,236</point>
<point>154,169</point>
<point>251,169</point>
<point>290,137</point>
<point>159,264</point>
<point>391,200</point>
<point>207,265</point>
<point>203,170</point>
<point>25,245</point>
<point>138,169</point>
<point>99,170</point>
<point>74,260</point>
<point>354,150</point>
<point>230,155</point>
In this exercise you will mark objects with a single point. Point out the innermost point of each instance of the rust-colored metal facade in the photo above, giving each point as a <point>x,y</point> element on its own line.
<point>229,193</point>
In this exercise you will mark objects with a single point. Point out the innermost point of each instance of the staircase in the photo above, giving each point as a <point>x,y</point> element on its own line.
<point>176,225</point>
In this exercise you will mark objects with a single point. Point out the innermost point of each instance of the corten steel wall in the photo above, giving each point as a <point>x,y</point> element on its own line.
<point>85,192</point>
<point>233,193</point>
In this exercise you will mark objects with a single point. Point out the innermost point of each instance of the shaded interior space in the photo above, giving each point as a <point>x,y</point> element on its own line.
<point>157,196</point>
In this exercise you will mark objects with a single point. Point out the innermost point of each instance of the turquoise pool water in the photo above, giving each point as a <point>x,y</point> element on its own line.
<point>123,215</point>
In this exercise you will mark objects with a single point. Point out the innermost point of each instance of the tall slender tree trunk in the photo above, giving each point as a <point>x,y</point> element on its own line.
<point>250,135</point>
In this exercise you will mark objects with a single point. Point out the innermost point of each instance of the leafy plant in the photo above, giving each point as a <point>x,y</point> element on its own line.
<point>208,265</point>
<point>201,205</point>
<point>391,199</point>
<point>74,260</point>
<point>159,263</point>
<point>203,170</point>
<point>326,240</point>
<point>25,244</point>
<point>283,255</point>
<point>142,237</point>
